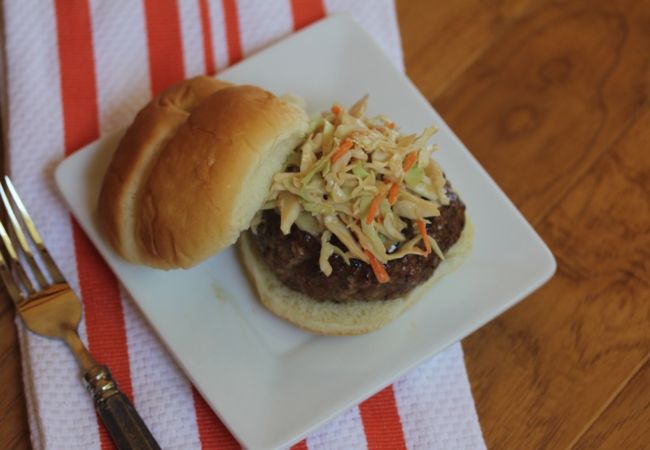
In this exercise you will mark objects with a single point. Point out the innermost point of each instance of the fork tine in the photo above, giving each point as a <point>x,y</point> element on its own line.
<point>5,271</point>
<point>55,273</point>
<point>8,280</point>
<point>20,236</point>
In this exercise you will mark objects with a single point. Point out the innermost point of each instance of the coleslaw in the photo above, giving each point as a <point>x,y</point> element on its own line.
<point>363,181</point>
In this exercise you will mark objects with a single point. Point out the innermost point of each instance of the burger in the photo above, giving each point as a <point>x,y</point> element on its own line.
<point>341,221</point>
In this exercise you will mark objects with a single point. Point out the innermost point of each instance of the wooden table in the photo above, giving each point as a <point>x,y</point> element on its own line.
<point>552,99</point>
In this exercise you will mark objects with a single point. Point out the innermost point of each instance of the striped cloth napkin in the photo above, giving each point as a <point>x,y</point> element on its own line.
<point>75,70</point>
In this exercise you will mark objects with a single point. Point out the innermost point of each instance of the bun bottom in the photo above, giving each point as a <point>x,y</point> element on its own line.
<point>340,319</point>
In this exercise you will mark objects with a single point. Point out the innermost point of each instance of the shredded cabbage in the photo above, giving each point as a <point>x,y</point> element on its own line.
<point>327,189</point>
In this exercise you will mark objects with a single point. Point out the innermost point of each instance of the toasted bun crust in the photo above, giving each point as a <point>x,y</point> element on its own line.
<point>193,169</point>
<point>356,317</point>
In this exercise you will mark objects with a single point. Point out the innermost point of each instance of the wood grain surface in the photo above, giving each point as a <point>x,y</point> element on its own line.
<point>552,98</point>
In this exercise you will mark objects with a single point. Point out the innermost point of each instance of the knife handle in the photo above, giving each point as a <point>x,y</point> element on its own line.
<point>126,427</point>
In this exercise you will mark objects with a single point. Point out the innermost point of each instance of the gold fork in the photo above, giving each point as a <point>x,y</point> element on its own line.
<point>53,310</point>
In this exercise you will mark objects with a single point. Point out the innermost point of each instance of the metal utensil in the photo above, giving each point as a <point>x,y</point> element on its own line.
<point>52,309</point>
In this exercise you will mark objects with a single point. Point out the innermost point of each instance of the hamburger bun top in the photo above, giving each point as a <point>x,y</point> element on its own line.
<point>193,169</point>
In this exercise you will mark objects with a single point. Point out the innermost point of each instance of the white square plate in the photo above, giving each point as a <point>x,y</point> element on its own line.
<point>270,382</point>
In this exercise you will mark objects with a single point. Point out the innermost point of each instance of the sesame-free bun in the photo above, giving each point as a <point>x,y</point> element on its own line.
<point>193,169</point>
<point>342,319</point>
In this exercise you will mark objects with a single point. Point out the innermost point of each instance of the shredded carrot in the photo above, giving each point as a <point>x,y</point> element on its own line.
<point>394,191</point>
<point>423,232</point>
<point>374,206</point>
<point>335,110</point>
<point>391,125</point>
<point>347,145</point>
<point>377,267</point>
<point>410,161</point>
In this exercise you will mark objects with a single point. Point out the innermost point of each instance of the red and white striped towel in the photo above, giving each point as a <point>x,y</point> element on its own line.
<point>75,70</point>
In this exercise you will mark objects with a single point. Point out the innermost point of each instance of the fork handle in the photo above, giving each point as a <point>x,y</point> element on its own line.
<point>126,427</point>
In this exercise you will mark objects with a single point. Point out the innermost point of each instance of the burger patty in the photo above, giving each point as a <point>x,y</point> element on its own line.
<point>294,259</point>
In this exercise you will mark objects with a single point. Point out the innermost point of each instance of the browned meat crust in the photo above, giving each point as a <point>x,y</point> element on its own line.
<point>294,259</point>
